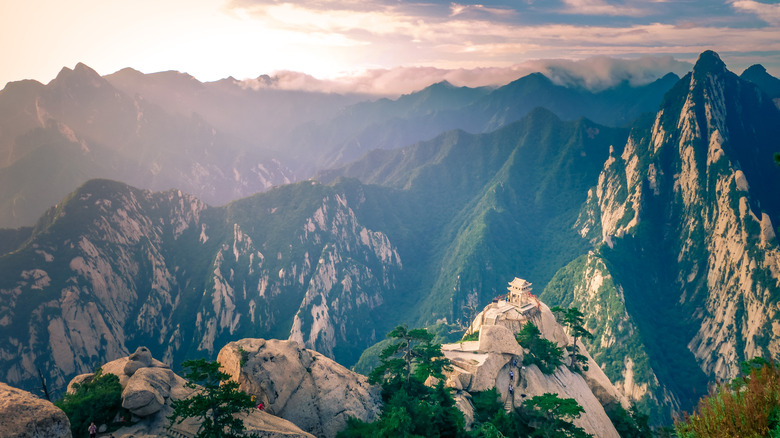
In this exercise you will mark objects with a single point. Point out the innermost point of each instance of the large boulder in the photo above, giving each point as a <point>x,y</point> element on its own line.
<point>23,415</point>
<point>499,339</point>
<point>149,387</point>
<point>147,391</point>
<point>142,358</point>
<point>300,385</point>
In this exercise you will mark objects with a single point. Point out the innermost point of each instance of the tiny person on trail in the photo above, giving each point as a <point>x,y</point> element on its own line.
<point>92,430</point>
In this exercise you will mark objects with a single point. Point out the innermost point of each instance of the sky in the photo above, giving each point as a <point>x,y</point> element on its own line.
<point>387,45</point>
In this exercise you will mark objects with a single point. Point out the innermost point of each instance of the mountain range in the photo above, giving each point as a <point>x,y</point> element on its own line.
<point>225,140</point>
<point>658,224</point>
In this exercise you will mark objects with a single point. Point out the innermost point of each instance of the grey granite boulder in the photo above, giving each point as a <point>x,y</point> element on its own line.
<point>140,359</point>
<point>23,415</point>
<point>147,391</point>
<point>301,385</point>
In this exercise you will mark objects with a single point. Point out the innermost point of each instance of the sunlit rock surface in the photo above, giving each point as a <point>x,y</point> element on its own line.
<point>301,385</point>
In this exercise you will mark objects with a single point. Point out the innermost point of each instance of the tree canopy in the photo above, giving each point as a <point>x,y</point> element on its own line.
<point>98,399</point>
<point>411,408</point>
<point>574,320</point>
<point>216,400</point>
<point>542,352</point>
<point>414,354</point>
<point>551,416</point>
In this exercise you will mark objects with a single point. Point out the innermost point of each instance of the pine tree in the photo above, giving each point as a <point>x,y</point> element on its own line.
<point>551,416</point>
<point>574,320</point>
<point>216,401</point>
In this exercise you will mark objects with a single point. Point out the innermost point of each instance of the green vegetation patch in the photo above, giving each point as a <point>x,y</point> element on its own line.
<point>97,399</point>
<point>543,353</point>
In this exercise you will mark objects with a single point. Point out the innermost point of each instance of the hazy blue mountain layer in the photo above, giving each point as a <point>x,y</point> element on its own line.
<point>229,139</point>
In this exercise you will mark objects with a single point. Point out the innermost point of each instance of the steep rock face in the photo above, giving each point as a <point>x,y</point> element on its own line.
<point>100,284</point>
<point>487,363</point>
<point>686,213</point>
<point>22,415</point>
<point>616,346</point>
<point>118,267</point>
<point>300,385</point>
<point>506,315</point>
<point>334,270</point>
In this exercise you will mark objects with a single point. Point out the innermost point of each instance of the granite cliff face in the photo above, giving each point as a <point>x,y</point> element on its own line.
<point>684,219</point>
<point>119,267</point>
<point>301,385</point>
<point>617,347</point>
<point>100,285</point>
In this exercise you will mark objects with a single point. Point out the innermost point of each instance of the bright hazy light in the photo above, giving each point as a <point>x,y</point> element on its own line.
<point>214,39</point>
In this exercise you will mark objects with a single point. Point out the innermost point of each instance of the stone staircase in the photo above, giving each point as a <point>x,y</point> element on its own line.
<point>173,432</point>
<point>509,404</point>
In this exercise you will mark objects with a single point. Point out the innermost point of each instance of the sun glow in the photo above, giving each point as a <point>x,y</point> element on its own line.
<point>214,39</point>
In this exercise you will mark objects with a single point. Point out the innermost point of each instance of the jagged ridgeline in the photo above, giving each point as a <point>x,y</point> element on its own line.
<point>662,232</point>
<point>334,266</point>
<point>226,140</point>
<point>683,283</point>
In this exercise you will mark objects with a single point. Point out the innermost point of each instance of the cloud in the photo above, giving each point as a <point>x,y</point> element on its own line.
<point>317,5</point>
<point>463,9</point>
<point>442,39</point>
<point>769,13</point>
<point>596,73</point>
<point>601,72</point>
<point>601,7</point>
<point>403,32</point>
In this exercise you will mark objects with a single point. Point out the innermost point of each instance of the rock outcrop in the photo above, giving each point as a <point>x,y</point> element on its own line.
<point>496,361</point>
<point>148,388</point>
<point>301,385</point>
<point>23,415</point>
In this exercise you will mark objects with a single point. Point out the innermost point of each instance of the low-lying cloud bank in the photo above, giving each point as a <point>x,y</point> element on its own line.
<point>595,74</point>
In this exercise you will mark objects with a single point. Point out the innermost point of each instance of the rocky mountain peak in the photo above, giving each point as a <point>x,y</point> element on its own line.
<point>767,83</point>
<point>707,164</point>
<point>709,61</point>
<point>81,74</point>
<point>755,69</point>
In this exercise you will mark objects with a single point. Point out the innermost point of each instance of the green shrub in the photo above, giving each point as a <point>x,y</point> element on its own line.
<point>411,409</point>
<point>471,337</point>
<point>629,424</point>
<point>749,407</point>
<point>98,399</point>
<point>543,353</point>
<point>552,416</point>
<point>215,403</point>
